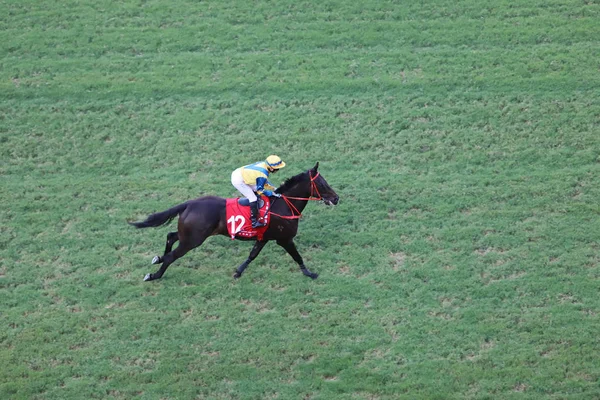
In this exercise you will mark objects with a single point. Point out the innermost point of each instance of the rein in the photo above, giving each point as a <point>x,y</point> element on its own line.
<point>295,213</point>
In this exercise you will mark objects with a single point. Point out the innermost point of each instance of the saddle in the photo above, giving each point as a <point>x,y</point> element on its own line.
<point>245,202</point>
<point>239,220</point>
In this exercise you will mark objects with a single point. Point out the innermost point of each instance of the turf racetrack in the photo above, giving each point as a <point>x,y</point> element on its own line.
<point>462,261</point>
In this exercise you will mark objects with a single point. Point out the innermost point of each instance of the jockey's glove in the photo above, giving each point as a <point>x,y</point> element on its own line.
<point>270,193</point>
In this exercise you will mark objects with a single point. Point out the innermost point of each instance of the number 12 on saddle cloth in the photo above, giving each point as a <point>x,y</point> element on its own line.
<point>238,220</point>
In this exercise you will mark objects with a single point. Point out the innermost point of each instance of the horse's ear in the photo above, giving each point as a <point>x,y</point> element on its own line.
<point>316,167</point>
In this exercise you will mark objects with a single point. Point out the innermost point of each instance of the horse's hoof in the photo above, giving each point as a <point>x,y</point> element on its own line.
<point>156,260</point>
<point>237,275</point>
<point>148,277</point>
<point>310,274</point>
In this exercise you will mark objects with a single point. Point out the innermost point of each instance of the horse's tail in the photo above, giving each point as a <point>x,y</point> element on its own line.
<point>160,218</point>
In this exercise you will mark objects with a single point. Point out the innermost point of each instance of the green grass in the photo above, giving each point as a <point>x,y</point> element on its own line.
<point>461,262</point>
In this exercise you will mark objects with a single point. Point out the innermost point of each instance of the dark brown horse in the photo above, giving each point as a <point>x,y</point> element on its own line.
<point>206,216</point>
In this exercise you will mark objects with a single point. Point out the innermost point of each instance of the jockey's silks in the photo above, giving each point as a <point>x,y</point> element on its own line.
<point>257,174</point>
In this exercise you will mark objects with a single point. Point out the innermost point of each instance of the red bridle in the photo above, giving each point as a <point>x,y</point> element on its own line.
<point>295,213</point>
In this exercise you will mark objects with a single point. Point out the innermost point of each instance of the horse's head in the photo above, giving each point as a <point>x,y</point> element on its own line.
<point>320,189</point>
<point>309,185</point>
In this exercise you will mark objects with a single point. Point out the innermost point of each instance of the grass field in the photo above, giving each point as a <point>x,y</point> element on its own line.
<point>462,137</point>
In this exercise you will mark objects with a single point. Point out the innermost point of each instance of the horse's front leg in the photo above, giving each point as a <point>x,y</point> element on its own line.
<point>258,246</point>
<point>290,247</point>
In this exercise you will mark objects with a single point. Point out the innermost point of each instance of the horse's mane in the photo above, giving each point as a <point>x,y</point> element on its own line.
<point>291,182</point>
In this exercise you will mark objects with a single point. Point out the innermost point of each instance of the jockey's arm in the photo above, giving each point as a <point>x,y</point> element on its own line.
<point>264,186</point>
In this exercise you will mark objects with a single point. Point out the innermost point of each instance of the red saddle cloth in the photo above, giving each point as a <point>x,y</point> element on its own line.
<point>239,223</point>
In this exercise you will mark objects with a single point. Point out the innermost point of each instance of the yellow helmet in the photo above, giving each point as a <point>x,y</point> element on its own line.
<point>275,162</point>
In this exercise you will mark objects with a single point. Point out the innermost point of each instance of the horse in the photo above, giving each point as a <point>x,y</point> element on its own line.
<point>206,216</point>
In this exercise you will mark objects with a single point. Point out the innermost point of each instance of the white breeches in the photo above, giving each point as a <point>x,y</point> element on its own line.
<point>238,182</point>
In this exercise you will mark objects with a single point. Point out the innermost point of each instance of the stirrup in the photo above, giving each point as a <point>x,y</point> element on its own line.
<point>258,224</point>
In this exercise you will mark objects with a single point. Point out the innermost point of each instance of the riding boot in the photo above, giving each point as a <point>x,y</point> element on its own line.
<point>254,215</point>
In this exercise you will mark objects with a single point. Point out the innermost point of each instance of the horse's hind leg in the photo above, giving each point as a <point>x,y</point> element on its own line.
<point>180,251</point>
<point>167,260</point>
<point>172,237</point>
<point>290,247</point>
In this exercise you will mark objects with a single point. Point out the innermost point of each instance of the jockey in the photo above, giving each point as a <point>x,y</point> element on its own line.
<point>254,178</point>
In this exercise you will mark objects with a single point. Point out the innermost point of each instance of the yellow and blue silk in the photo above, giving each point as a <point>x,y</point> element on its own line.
<point>258,174</point>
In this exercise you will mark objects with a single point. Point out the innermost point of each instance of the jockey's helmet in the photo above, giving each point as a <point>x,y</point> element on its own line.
<point>275,162</point>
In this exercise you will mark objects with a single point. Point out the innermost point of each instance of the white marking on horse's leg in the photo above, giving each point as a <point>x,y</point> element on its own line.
<point>147,277</point>
<point>156,260</point>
